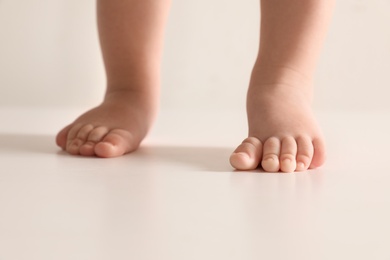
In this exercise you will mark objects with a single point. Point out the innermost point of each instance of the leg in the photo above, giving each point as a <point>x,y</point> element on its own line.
<point>283,133</point>
<point>131,35</point>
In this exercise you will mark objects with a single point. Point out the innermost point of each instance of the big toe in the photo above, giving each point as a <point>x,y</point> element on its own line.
<point>117,142</point>
<point>247,155</point>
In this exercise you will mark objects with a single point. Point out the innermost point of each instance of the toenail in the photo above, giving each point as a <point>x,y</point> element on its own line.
<point>301,165</point>
<point>287,160</point>
<point>270,159</point>
<point>243,154</point>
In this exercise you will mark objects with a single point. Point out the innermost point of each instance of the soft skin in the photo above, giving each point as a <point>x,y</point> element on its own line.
<point>283,132</point>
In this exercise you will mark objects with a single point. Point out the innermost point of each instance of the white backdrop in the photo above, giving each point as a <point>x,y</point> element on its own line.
<point>49,55</point>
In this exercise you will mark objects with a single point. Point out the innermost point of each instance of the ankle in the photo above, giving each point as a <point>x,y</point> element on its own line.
<point>270,74</point>
<point>140,97</point>
<point>144,78</point>
<point>280,78</point>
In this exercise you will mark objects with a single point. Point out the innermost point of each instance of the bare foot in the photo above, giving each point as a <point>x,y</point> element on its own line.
<point>283,132</point>
<point>114,128</point>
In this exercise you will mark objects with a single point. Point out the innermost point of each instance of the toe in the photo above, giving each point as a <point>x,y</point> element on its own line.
<point>87,149</point>
<point>95,136</point>
<point>247,155</point>
<point>271,151</point>
<point>61,137</point>
<point>72,134</point>
<point>288,154</point>
<point>116,143</point>
<point>78,138</point>
<point>305,153</point>
<point>319,156</point>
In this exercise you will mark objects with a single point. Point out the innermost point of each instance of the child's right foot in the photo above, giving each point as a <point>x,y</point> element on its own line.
<point>114,128</point>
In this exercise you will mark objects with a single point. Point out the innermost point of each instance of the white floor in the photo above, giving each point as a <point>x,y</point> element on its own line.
<point>178,198</point>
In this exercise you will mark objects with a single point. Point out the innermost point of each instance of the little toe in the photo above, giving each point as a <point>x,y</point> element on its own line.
<point>116,143</point>
<point>288,154</point>
<point>61,137</point>
<point>304,153</point>
<point>271,151</point>
<point>247,155</point>
<point>79,139</point>
<point>96,135</point>
<point>319,156</point>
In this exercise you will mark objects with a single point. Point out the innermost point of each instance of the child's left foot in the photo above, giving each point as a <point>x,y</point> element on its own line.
<point>283,132</point>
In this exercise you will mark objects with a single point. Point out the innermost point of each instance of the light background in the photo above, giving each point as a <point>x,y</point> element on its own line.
<point>49,55</point>
<point>178,194</point>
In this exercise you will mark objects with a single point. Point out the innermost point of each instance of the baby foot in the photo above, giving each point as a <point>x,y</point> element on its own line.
<point>283,132</point>
<point>114,128</point>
